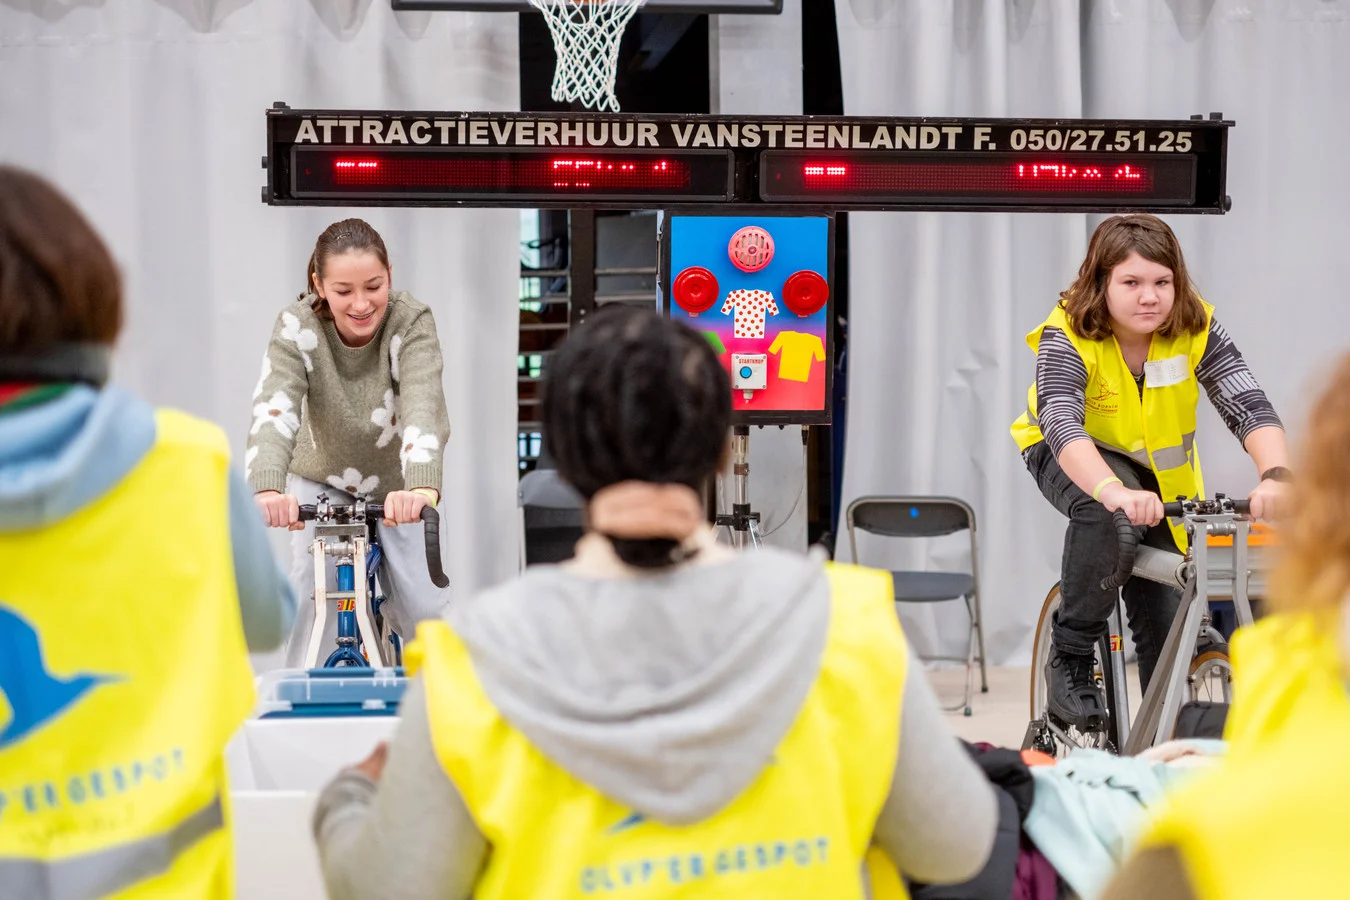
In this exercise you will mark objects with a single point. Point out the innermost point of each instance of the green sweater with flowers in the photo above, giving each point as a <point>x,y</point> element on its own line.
<point>366,420</point>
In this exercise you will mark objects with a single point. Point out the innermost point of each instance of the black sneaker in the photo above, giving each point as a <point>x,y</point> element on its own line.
<point>1074,696</point>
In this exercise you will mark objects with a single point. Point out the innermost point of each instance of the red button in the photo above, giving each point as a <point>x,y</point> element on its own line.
<point>805,292</point>
<point>695,290</point>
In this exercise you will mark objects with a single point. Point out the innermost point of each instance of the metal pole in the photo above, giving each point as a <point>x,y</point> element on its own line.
<point>740,471</point>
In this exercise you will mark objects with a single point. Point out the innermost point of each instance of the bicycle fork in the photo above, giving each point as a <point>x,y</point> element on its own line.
<point>348,543</point>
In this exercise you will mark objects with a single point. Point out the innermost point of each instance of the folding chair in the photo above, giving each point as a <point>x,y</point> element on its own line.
<point>927,517</point>
<point>551,518</point>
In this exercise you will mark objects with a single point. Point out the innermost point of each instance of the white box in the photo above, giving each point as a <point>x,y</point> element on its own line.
<point>277,768</point>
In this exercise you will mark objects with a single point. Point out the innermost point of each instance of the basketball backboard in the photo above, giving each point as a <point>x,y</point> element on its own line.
<point>711,7</point>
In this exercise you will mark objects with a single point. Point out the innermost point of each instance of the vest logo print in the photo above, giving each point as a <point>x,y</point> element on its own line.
<point>632,820</point>
<point>35,695</point>
<point>707,865</point>
<point>1101,396</point>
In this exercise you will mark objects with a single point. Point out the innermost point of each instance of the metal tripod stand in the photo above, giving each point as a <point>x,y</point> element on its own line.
<point>743,524</point>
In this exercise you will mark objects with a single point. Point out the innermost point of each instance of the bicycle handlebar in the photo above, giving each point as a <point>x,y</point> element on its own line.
<point>431,528</point>
<point>1220,505</point>
<point>1128,536</point>
<point>1128,539</point>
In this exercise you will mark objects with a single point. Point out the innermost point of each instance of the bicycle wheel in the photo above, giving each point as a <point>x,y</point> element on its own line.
<point>1045,732</point>
<point>1211,676</point>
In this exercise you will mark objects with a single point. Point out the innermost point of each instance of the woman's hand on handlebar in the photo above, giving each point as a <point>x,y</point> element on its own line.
<point>1268,499</point>
<point>404,507</point>
<point>1143,507</point>
<point>279,510</point>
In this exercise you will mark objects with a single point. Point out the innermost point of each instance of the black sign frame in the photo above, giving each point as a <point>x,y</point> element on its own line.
<point>600,135</point>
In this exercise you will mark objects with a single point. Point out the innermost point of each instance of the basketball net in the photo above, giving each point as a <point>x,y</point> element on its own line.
<point>586,35</point>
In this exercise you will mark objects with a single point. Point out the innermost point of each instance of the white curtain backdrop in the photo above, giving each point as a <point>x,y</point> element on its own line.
<point>150,113</point>
<point>940,303</point>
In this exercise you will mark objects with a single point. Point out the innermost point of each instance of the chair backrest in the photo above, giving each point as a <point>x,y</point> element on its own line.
<point>911,517</point>
<point>552,517</point>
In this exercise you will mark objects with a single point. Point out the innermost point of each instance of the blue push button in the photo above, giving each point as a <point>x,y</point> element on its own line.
<point>746,371</point>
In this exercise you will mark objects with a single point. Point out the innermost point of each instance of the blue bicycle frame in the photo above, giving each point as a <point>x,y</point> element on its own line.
<point>347,636</point>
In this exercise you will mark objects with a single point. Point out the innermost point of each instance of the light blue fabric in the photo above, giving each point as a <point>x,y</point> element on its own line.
<point>60,456</point>
<point>1090,808</point>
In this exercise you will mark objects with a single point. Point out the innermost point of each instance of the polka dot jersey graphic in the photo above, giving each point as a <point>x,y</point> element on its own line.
<point>751,308</point>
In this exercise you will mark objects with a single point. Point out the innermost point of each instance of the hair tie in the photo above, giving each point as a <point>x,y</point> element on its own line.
<point>641,510</point>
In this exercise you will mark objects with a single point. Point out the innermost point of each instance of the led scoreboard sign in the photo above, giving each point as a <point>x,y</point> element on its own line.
<point>635,161</point>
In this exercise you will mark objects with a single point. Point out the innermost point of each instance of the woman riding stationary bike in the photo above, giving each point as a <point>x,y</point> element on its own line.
<point>1110,425</point>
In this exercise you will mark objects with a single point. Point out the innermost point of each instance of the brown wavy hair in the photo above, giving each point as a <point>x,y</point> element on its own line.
<point>1313,568</point>
<point>1085,301</point>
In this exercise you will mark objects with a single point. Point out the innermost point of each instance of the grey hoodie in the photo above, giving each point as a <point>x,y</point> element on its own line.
<point>727,654</point>
<point>667,692</point>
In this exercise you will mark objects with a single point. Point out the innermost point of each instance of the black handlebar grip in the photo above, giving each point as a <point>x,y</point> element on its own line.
<point>1127,537</point>
<point>1172,510</point>
<point>431,533</point>
<point>1242,507</point>
<point>374,511</point>
<point>307,512</point>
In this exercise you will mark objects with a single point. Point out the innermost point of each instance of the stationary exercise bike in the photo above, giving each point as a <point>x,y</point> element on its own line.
<point>1193,664</point>
<point>348,532</point>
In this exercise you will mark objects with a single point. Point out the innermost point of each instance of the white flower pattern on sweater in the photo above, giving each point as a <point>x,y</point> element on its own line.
<point>394,346</point>
<point>351,412</point>
<point>387,418</point>
<point>249,456</point>
<point>279,412</point>
<point>304,339</point>
<point>417,447</point>
<point>353,483</point>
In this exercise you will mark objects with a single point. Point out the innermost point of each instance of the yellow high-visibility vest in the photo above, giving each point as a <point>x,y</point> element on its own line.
<point>124,672</point>
<point>1270,821</point>
<point>1158,431</point>
<point>803,828</point>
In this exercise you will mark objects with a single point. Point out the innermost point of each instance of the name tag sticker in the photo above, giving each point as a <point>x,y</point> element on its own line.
<point>1165,372</point>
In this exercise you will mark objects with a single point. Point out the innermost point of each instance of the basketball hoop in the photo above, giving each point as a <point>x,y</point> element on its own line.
<point>586,35</point>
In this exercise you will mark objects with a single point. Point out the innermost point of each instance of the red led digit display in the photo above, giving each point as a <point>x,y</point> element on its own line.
<point>995,178</point>
<point>453,174</point>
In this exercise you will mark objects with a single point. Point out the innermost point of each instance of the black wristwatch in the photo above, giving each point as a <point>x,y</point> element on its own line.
<point>1277,473</point>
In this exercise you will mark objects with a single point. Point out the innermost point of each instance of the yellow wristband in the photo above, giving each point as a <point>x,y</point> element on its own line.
<point>1105,481</point>
<point>433,496</point>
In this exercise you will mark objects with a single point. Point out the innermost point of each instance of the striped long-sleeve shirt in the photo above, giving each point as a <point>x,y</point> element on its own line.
<point>1062,381</point>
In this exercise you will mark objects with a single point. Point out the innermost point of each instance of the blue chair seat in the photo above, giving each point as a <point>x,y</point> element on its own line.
<point>932,587</point>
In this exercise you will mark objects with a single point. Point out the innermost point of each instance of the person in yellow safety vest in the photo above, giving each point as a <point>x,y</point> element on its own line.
<point>1270,821</point>
<point>134,579</point>
<point>659,716</point>
<point>1110,425</point>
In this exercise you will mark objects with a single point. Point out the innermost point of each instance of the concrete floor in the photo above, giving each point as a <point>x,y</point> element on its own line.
<point>999,717</point>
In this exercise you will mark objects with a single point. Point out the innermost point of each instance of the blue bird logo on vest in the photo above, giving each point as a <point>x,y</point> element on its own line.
<point>632,820</point>
<point>35,695</point>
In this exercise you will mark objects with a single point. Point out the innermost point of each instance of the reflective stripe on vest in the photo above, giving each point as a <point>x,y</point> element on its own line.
<point>105,872</point>
<point>801,829</point>
<point>117,626</point>
<point>1270,820</point>
<point>1156,431</point>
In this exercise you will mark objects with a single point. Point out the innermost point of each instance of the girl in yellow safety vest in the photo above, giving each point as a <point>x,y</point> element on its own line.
<point>1110,425</point>
<point>134,579</point>
<point>1271,820</point>
<point>659,716</point>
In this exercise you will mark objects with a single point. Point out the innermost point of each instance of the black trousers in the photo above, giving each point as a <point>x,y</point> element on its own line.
<point>1090,551</point>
